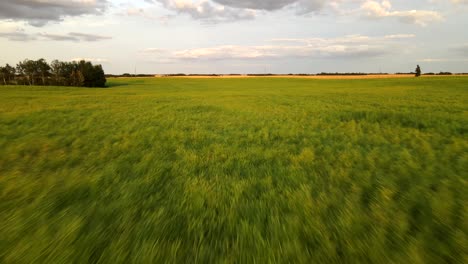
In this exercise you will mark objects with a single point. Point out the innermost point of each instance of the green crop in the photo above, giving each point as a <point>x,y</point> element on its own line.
<point>256,170</point>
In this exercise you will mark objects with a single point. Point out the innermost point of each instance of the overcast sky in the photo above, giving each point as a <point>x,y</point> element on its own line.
<point>240,36</point>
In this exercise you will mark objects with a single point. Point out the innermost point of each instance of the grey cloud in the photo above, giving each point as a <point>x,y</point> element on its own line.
<point>233,10</point>
<point>255,4</point>
<point>17,36</point>
<point>303,6</point>
<point>207,11</point>
<point>88,37</point>
<point>38,12</point>
<point>462,50</point>
<point>73,36</point>
<point>58,37</point>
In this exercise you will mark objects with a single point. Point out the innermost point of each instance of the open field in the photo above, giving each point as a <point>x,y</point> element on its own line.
<point>178,170</point>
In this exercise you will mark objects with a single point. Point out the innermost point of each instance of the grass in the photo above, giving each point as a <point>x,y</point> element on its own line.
<point>235,171</point>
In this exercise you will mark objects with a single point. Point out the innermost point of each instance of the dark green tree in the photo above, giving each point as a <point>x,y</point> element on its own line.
<point>418,71</point>
<point>93,75</point>
<point>10,73</point>
<point>28,68</point>
<point>43,70</point>
<point>30,72</point>
<point>77,78</point>
<point>3,75</point>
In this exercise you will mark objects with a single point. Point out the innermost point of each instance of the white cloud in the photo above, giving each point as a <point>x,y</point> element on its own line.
<point>95,60</point>
<point>431,60</point>
<point>400,36</point>
<point>376,10</point>
<point>233,10</point>
<point>356,46</point>
<point>459,1</point>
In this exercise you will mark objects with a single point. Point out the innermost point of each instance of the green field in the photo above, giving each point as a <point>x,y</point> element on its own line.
<point>260,170</point>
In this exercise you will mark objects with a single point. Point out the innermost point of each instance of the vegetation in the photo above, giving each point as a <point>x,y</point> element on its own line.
<point>30,72</point>
<point>175,170</point>
<point>418,71</point>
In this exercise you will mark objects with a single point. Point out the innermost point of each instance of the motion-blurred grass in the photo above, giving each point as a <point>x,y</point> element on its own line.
<point>235,171</point>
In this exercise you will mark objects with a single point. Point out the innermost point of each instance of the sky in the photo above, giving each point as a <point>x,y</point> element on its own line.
<point>239,36</point>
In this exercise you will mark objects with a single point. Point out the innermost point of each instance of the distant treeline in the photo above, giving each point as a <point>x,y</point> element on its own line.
<point>58,73</point>
<point>271,74</point>
<point>128,75</point>
<point>440,73</point>
<point>429,73</point>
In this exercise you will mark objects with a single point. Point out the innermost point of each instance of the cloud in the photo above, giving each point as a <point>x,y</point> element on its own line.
<point>19,35</point>
<point>462,50</point>
<point>352,46</point>
<point>233,10</point>
<point>383,9</point>
<point>259,5</point>
<point>40,12</point>
<point>443,60</point>
<point>253,4</point>
<point>95,60</point>
<point>154,51</point>
<point>400,36</point>
<point>88,37</point>
<point>207,11</point>
<point>301,6</point>
<point>459,1</point>
<point>274,52</point>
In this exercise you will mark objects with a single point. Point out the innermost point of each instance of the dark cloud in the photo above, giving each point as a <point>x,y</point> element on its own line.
<point>39,12</point>
<point>303,6</point>
<point>255,4</point>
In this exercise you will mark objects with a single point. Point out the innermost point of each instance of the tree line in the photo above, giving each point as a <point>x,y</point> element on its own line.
<point>58,73</point>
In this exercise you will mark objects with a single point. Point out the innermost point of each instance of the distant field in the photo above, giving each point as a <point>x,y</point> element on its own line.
<point>255,170</point>
<point>334,77</point>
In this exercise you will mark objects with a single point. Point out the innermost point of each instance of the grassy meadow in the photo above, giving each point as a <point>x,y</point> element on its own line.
<point>255,170</point>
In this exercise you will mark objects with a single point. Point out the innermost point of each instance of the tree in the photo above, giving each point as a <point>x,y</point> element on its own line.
<point>29,69</point>
<point>43,69</point>
<point>99,77</point>
<point>7,74</point>
<point>3,74</point>
<point>11,73</point>
<point>93,74</point>
<point>61,72</point>
<point>35,72</point>
<point>418,71</point>
<point>77,78</point>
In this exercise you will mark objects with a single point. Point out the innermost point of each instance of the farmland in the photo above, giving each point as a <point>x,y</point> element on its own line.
<point>178,170</point>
